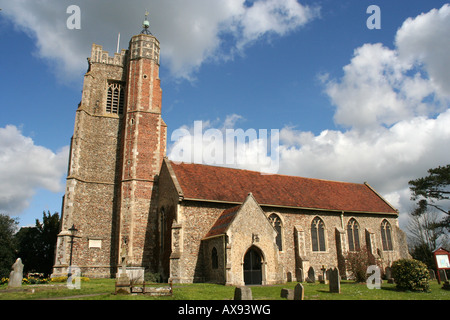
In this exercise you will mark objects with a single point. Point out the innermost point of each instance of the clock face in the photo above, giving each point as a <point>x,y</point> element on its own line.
<point>442,261</point>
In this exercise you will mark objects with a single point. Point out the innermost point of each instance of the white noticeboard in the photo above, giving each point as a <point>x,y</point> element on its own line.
<point>442,261</point>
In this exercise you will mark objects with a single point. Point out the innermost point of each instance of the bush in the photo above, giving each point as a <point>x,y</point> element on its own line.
<point>358,262</point>
<point>410,274</point>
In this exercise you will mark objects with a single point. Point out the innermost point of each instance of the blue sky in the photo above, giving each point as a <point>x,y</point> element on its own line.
<point>351,104</point>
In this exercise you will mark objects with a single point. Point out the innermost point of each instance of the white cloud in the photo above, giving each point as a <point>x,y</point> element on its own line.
<point>425,40</point>
<point>395,105</point>
<point>26,167</point>
<point>381,86</point>
<point>190,32</point>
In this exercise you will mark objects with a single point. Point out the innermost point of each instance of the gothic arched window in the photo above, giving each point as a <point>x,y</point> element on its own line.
<point>318,234</point>
<point>277,225</point>
<point>115,99</point>
<point>386,235</point>
<point>214,259</point>
<point>353,235</point>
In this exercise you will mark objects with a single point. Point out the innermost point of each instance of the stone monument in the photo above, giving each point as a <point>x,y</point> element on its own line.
<point>123,283</point>
<point>16,275</point>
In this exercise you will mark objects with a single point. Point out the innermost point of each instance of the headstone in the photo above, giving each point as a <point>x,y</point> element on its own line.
<point>299,292</point>
<point>323,277</point>
<point>335,281</point>
<point>287,294</point>
<point>388,273</point>
<point>289,276</point>
<point>443,275</point>
<point>311,276</point>
<point>300,275</point>
<point>16,275</point>
<point>243,293</point>
<point>432,274</point>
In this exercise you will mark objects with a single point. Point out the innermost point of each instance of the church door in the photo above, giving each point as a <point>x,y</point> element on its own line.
<point>253,267</point>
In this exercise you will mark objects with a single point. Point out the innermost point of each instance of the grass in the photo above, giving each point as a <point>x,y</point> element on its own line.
<point>103,289</point>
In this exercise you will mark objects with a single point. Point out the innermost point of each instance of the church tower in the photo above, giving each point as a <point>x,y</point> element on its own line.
<point>116,152</point>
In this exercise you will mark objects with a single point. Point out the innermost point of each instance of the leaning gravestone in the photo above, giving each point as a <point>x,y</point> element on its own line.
<point>287,294</point>
<point>243,293</point>
<point>16,275</point>
<point>335,281</point>
<point>299,292</point>
<point>311,276</point>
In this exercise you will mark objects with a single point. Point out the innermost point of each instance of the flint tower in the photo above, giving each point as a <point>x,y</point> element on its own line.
<point>116,152</point>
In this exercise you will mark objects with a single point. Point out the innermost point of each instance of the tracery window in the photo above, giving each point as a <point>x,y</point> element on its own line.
<point>353,235</point>
<point>115,99</point>
<point>318,235</point>
<point>276,223</point>
<point>386,235</point>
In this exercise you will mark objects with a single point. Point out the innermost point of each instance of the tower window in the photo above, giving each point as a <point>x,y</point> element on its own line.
<point>115,99</point>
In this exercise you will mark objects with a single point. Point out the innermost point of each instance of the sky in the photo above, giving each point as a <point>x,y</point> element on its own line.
<point>349,102</point>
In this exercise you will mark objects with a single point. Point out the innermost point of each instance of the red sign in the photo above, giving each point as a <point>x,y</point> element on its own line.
<point>442,259</point>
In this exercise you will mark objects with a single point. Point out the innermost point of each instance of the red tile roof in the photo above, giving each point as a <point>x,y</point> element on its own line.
<point>223,222</point>
<point>203,182</point>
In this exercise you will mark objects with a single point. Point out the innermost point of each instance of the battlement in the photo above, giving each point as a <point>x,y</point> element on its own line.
<point>100,56</point>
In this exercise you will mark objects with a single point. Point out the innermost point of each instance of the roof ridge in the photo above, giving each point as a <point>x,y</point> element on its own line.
<point>265,174</point>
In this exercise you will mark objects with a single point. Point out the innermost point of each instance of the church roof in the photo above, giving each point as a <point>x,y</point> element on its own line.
<point>221,184</point>
<point>223,222</point>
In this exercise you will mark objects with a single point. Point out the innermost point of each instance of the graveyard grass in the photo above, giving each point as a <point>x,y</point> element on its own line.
<point>103,289</point>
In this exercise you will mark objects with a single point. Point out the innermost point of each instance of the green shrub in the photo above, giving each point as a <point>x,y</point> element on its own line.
<point>410,274</point>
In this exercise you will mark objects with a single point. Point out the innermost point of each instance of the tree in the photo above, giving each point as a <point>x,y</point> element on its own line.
<point>37,244</point>
<point>433,191</point>
<point>8,227</point>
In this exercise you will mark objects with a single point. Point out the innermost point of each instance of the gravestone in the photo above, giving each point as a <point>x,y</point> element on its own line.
<point>432,274</point>
<point>243,293</point>
<point>334,281</point>
<point>311,276</point>
<point>287,294</point>
<point>299,292</point>
<point>323,277</point>
<point>16,275</point>
<point>300,275</point>
<point>289,277</point>
<point>388,273</point>
<point>443,275</point>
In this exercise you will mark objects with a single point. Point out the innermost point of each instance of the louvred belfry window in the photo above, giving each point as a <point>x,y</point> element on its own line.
<point>115,99</point>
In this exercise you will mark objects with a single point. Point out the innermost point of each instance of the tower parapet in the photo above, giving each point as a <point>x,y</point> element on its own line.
<point>101,56</point>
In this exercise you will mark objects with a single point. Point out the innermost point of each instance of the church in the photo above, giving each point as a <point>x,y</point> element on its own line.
<point>126,203</point>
